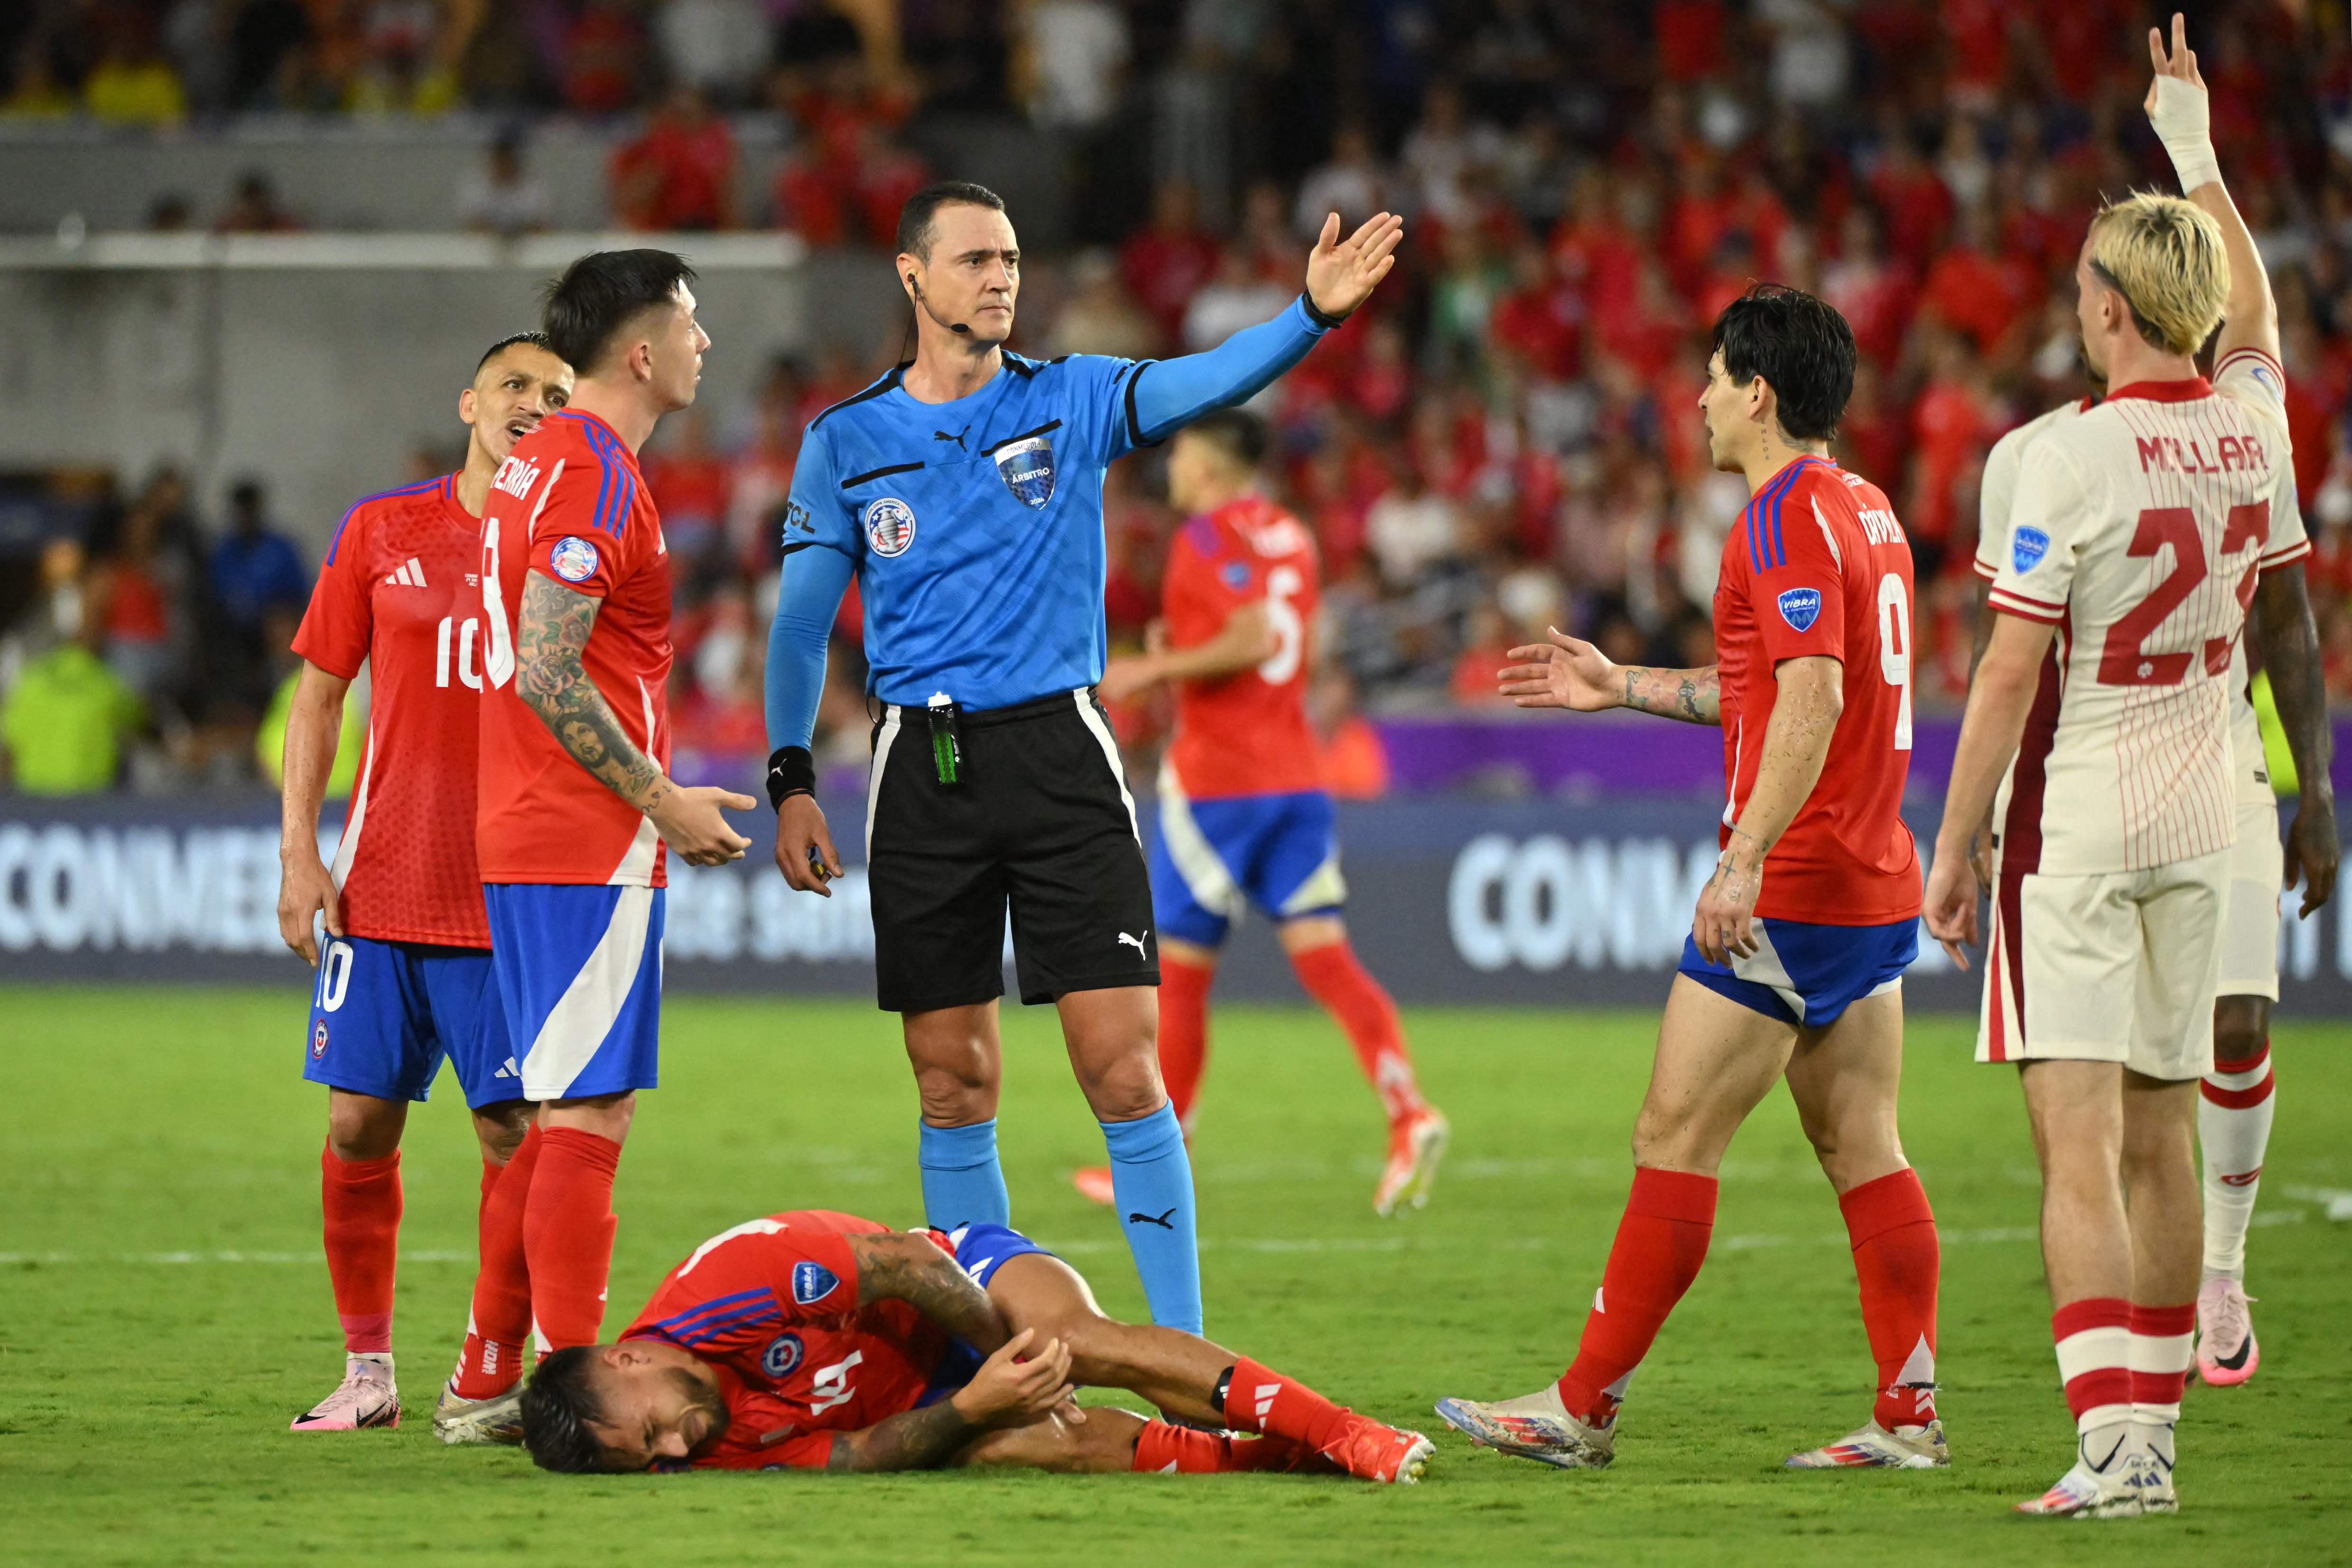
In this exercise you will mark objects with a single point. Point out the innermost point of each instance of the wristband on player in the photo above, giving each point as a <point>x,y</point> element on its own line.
<point>1316,314</point>
<point>2183,121</point>
<point>792,770</point>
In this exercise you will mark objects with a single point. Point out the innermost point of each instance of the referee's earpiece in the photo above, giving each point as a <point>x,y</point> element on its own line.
<point>952,326</point>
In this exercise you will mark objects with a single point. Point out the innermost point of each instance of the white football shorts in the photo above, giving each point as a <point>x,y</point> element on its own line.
<point>2121,967</point>
<point>2250,931</point>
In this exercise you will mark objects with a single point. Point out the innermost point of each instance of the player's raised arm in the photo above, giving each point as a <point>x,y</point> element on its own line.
<point>551,639</point>
<point>305,887</point>
<point>2178,108</point>
<point>1564,672</point>
<point>1167,394</point>
<point>1013,1387</point>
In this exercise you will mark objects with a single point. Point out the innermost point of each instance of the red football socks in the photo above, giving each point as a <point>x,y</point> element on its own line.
<point>501,1326</point>
<point>1346,989</point>
<point>2162,1340</point>
<point>567,1234</point>
<point>1897,1260</point>
<point>361,1203</point>
<point>1260,1399</point>
<point>1661,1242</point>
<point>2095,1337</point>
<point>1183,1031</point>
<point>1182,1451</point>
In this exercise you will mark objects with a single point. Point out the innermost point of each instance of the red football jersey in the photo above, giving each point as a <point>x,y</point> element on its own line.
<point>1247,733</point>
<point>1818,565</point>
<point>773,1306</point>
<point>568,503</point>
<point>398,592</point>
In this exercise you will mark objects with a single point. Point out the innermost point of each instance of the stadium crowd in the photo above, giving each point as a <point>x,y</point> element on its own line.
<point>1504,441</point>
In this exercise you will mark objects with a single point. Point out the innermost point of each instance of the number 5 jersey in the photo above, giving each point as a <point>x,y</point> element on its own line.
<point>1818,566</point>
<point>2139,528</point>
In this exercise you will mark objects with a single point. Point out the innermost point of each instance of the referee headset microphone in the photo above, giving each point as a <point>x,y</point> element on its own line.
<point>958,326</point>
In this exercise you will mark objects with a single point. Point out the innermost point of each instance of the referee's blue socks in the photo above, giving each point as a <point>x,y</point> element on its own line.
<point>1151,1178</point>
<point>962,1184</point>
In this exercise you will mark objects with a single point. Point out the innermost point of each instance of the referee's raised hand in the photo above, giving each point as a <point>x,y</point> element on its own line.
<point>1341,274</point>
<point>805,851</point>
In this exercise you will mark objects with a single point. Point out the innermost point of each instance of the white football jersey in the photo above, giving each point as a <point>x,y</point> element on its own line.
<point>2288,543</point>
<point>2138,528</point>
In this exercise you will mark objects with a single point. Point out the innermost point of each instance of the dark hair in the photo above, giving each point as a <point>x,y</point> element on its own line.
<point>536,340</point>
<point>602,293</point>
<point>1240,435</point>
<point>557,1407</point>
<point>1803,350</point>
<point>915,218</point>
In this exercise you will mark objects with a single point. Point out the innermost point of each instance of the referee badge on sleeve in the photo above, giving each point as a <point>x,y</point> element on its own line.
<point>1027,467</point>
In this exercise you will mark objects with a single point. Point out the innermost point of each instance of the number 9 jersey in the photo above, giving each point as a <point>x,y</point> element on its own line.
<point>1247,733</point>
<point>1818,566</point>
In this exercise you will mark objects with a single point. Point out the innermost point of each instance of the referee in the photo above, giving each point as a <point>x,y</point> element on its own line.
<point>965,491</point>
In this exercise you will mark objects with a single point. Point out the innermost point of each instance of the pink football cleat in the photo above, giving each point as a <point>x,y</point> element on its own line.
<point>1093,1183</point>
<point>365,1397</point>
<point>2226,1351</point>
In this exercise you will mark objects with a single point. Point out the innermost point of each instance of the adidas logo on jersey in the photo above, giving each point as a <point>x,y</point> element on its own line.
<point>410,575</point>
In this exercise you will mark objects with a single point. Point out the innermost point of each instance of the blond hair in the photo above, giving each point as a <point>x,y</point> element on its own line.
<point>2165,256</point>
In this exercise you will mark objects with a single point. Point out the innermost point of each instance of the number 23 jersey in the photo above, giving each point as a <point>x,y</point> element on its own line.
<point>2139,530</point>
<point>1819,566</point>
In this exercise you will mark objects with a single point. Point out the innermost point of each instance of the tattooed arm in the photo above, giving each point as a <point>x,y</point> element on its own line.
<point>1011,1389</point>
<point>1562,672</point>
<point>551,639</point>
<point>910,1269</point>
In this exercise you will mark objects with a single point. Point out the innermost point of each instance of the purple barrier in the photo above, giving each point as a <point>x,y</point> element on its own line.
<point>1622,753</point>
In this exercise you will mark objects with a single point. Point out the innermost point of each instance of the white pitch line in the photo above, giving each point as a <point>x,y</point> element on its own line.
<point>1751,1241</point>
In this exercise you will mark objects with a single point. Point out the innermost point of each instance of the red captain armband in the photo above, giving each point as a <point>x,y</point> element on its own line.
<point>792,770</point>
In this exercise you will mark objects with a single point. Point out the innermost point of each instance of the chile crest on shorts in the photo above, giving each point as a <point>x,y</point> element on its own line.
<point>782,1354</point>
<point>1800,607</point>
<point>1027,469</point>
<point>318,1039</point>
<point>889,526</point>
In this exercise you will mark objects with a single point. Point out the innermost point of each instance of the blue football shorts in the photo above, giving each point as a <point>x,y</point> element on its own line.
<point>384,1014</point>
<point>979,1250</point>
<point>579,968</point>
<point>1807,974</point>
<point>1212,859</point>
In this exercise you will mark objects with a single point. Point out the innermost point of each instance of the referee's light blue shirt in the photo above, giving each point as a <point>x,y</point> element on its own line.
<point>975,527</point>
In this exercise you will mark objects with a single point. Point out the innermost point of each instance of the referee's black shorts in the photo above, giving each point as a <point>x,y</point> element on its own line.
<point>1042,817</point>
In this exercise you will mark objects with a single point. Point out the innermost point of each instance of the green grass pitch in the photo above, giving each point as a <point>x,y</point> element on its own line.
<point>165,1310</point>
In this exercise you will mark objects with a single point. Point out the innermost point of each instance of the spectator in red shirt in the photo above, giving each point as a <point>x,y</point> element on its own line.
<point>1595,251</point>
<point>1690,38</point>
<point>692,484</point>
<point>601,51</point>
<point>680,174</point>
<point>1977,287</point>
<point>1951,425</point>
<point>1911,194</point>
<point>1166,262</point>
<point>1869,289</point>
<point>1535,328</point>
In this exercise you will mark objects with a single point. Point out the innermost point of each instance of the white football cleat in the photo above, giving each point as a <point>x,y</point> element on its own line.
<point>365,1397</point>
<point>2226,1351</point>
<point>497,1421</point>
<point>1874,1447</point>
<point>1415,1146</point>
<point>2118,1493</point>
<point>1534,1427</point>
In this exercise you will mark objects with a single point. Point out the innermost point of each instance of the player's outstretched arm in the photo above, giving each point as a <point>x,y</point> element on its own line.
<point>911,1268</point>
<point>1013,1388</point>
<point>1796,746</point>
<point>1566,672</point>
<point>551,638</point>
<point>1999,699</point>
<point>1246,640</point>
<point>305,887</point>
<point>2178,108</point>
<point>2289,639</point>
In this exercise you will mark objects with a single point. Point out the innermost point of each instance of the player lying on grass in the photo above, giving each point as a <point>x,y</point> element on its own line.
<point>814,1340</point>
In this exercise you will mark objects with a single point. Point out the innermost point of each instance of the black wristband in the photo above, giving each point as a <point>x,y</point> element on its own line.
<point>792,770</point>
<point>1316,314</point>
